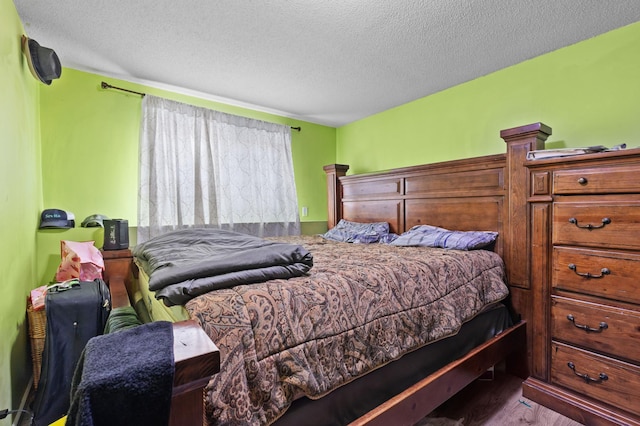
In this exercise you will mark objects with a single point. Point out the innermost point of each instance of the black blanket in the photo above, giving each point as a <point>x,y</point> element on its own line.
<point>125,378</point>
<point>187,263</point>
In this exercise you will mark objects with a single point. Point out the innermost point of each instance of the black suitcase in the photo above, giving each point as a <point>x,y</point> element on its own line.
<point>75,314</point>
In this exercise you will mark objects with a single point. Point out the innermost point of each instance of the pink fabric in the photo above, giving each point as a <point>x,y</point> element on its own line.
<point>80,260</point>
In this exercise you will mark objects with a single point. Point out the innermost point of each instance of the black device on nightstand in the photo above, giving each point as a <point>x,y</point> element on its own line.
<point>116,234</point>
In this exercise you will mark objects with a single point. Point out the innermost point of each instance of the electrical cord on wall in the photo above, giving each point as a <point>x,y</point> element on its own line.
<point>6,412</point>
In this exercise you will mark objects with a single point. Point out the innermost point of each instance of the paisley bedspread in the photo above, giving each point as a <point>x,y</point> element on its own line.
<point>360,307</point>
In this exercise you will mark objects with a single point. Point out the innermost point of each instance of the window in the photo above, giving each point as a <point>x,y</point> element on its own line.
<point>204,168</point>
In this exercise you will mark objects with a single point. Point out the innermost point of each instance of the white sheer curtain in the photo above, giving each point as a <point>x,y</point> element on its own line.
<point>204,168</point>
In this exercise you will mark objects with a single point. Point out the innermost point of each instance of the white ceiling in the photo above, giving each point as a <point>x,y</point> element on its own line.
<point>329,62</point>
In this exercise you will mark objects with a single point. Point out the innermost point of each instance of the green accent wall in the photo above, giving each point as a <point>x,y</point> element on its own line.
<point>90,156</point>
<point>589,93</point>
<point>20,200</point>
<point>74,145</point>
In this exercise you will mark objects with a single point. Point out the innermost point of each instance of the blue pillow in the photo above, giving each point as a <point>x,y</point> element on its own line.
<point>356,232</point>
<point>388,238</point>
<point>432,236</point>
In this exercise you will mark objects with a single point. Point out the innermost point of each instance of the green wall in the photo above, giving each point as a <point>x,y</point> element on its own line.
<point>20,201</point>
<point>589,93</point>
<point>90,156</point>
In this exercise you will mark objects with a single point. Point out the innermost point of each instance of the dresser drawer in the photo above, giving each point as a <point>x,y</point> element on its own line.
<point>611,274</point>
<point>602,328</point>
<point>597,180</point>
<point>608,225</point>
<point>604,379</point>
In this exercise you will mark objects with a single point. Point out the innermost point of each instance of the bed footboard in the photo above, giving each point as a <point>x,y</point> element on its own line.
<point>196,357</point>
<point>410,406</point>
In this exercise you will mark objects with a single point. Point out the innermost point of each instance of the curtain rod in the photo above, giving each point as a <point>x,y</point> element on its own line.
<point>106,85</point>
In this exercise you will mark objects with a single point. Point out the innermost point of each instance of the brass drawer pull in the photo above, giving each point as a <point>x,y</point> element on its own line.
<point>586,378</point>
<point>605,221</point>
<point>603,325</point>
<point>603,272</point>
<point>583,181</point>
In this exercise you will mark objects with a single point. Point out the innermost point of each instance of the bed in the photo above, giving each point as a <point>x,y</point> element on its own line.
<point>486,193</point>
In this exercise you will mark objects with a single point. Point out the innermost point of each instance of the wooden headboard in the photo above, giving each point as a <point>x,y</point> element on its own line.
<point>463,195</point>
<point>484,193</point>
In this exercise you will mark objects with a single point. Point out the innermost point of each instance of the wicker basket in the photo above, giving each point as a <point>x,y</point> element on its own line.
<point>37,332</point>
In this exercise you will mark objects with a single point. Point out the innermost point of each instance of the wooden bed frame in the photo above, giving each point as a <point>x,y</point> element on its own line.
<point>485,193</point>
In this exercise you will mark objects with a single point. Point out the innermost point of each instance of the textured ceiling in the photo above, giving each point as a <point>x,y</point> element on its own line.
<point>327,62</point>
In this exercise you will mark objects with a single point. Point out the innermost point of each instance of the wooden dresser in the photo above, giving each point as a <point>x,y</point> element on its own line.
<point>584,224</point>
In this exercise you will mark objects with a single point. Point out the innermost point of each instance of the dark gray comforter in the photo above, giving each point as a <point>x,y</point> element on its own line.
<point>187,263</point>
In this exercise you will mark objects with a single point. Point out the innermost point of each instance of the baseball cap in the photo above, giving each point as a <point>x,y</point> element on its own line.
<point>56,218</point>
<point>94,221</point>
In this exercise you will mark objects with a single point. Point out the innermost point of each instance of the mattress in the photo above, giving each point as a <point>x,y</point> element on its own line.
<point>148,307</point>
<point>355,399</point>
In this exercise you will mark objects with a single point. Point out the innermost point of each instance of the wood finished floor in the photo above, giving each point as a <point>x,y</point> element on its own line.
<point>496,402</point>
